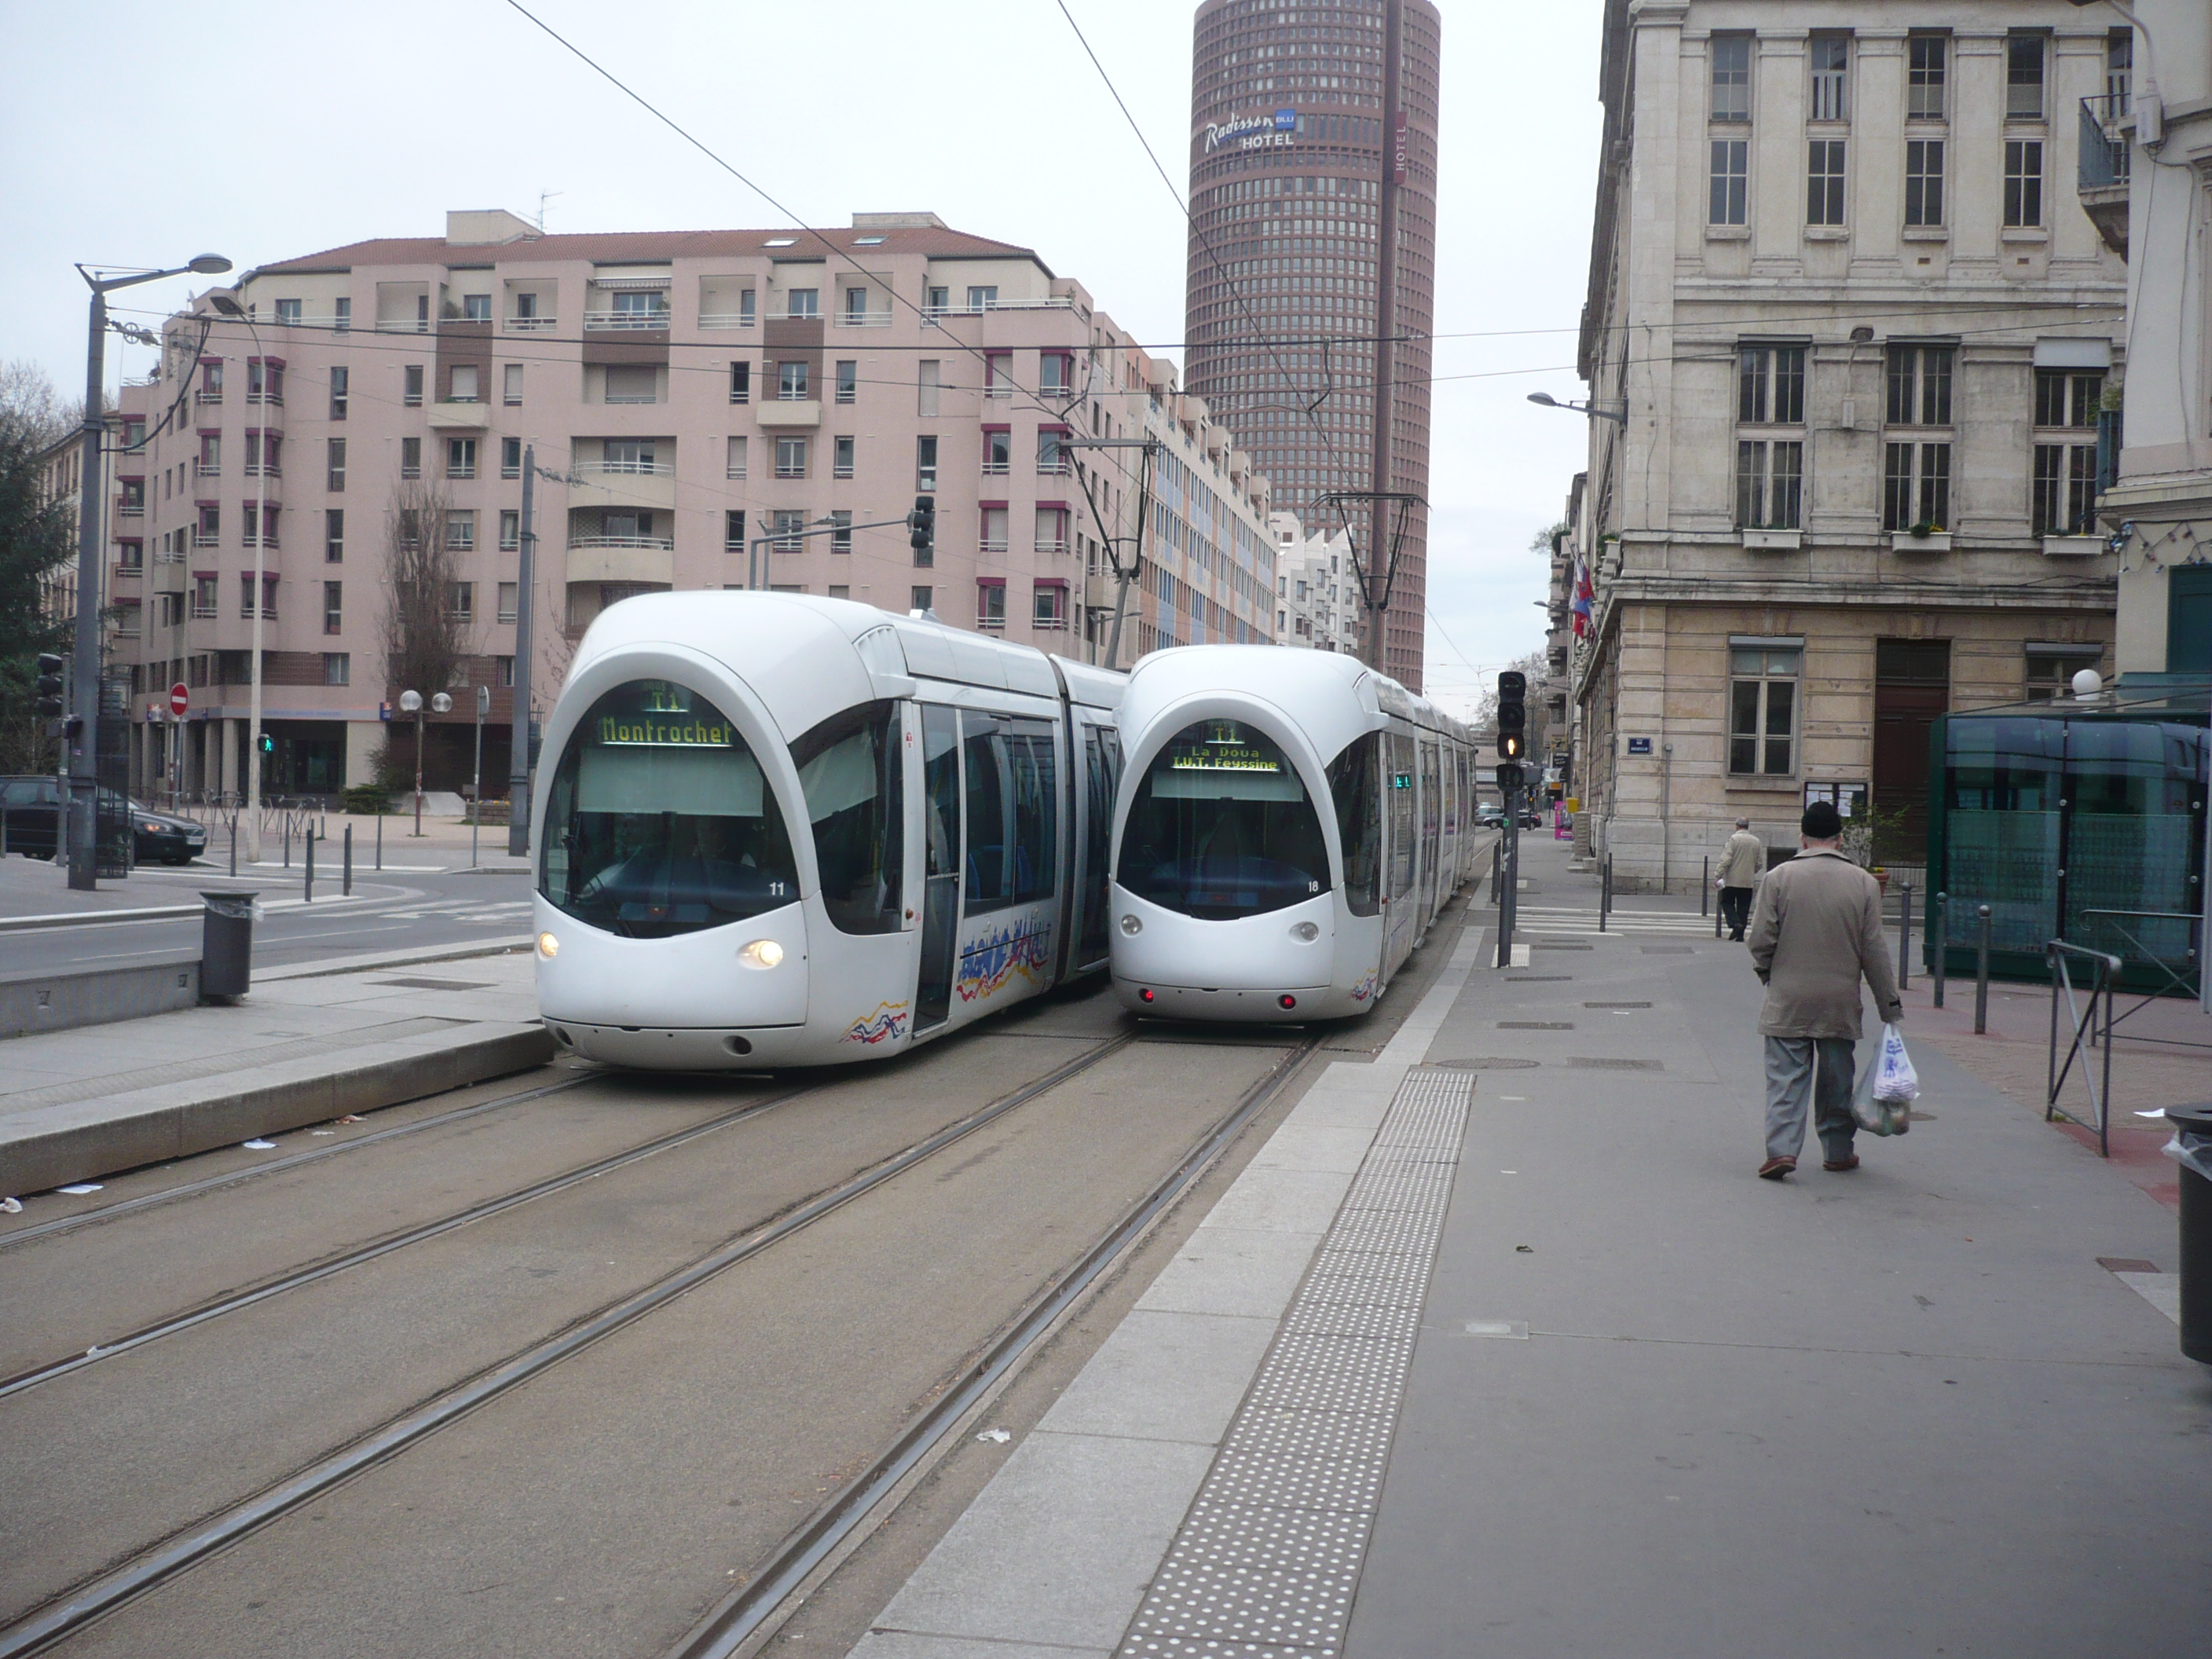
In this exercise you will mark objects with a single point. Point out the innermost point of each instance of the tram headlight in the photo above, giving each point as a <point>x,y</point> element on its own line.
<point>548,946</point>
<point>1132,926</point>
<point>761,953</point>
<point>1306,932</point>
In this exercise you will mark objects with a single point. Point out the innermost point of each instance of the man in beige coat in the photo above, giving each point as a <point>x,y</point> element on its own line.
<point>1816,932</point>
<point>1742,862</point>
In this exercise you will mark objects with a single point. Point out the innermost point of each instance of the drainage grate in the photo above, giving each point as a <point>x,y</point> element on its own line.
<point>1269,1555</point>
<point>1542,979</point>
<point>1535,1026</point>
<point>1670,949</point>
<point>1616,1005</point>
<point>1487,1063</point>
<point>435,984</point>
<point>1593,1063</point>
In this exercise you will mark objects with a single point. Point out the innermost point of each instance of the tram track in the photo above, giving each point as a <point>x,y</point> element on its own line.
<point>156,1564</point>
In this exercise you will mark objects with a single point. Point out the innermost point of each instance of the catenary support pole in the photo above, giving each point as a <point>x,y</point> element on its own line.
<point>1981,970</point>
<point>1904,934</point>
<point>80,754</point>
<point>518,763</point>
<point>1939,917</point>
<point>345,888</point>
<point>1374,639</point>
<point>308,892</point>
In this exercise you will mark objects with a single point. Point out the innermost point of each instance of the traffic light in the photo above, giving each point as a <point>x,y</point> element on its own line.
<point>267,744</point>
<point>50,685</point>
<point>921,528</point>
<point>1512,715</point>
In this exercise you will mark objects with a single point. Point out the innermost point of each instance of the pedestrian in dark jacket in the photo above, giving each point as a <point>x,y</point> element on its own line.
<point>1815,933</point>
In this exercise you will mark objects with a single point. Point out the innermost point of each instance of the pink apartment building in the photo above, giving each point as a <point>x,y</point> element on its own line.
<point>697,402</point>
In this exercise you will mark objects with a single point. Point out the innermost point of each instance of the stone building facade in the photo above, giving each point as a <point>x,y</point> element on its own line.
<point>1316,591</point>
<point>1848,338</point>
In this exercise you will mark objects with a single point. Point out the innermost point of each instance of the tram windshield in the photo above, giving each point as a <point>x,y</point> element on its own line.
<point>1221,827</point>
<point>659,820</point>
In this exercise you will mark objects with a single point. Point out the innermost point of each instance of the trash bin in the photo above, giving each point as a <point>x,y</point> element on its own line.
<point>2191,1148</point>
<point>226,944</point>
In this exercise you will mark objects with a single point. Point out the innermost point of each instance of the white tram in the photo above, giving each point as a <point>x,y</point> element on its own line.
<point>1290,823</point>
<point>776,829</point>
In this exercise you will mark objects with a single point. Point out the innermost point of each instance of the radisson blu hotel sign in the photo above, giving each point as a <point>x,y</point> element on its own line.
<point>1254,132</point>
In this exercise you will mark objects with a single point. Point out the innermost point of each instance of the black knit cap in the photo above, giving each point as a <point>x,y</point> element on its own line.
<point>1821,821</point>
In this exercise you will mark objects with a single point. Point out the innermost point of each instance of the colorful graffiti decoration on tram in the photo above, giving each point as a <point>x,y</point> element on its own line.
<point>886,1024</point>
<point>1366,988</point>
<point>986,965</point>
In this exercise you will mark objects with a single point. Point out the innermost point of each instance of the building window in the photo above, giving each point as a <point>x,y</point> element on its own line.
<point>2023,183</point>
<point>1731,55</point>
<point>510,458</point>
<point>734,462</point>
<point>1919,382</point>
<point>790,382</point>
<point>741,383</point>
<point>245,596</point>
<point>1730,182</point>
<point>2068,397</point>
<point>1916,487</point>
<point>461,532</point>
<point>510,531</point>
<point>341,315</point>
<point>856,305</point>
<point>461,458</point>
<point>462,384</point>
<point>2065,493</point>
<point>1831,60</point>
<point>849,381</point>
<point>787,528</point>
<point>130,555</point>
<point>338,668</point>
<point>925,463</point>
<point>334,535</point>
<point>1051,451</point>
<point>791,457</point>
<point>261,523</point>
<point>927,381</point>
<point>461,601</point>
<point>919,599</point>
<point>210,455</point>
<point>410,385</point>
<point>1056,373</point>
<point>999,375</point>
<point>803,302</point>
<point>211,381</point>
<point>264,380</point>
<point>410,458</point>
<point>995,529</point>
<point>1924,181</point>
<point>2050,671</point>
<point>334,464</point>
<point>204,597</point>
<point>746,313</point>
<point>1763,712</point>
<point>1052,529</point>
<point>982,297</point>
<point>841,463</point>
<point>339,398</point>
<point>1769,383</point>
<point>840,531</point>
<point>1924,75</point>
<point>733,530</point>
<point>475,307</point>
<point>998,451</point>
<point>990,604</point>
<point>287,313</point>
<point>510,599</point>
<point>504,673</point>
<point>264,453</point>
<point>1770,478</point>
<point>1048,608</point>
<point>2023,77</point>
<point>511,384</point>
<point>632,383</point>
<point>333,607</point>
<point>1824,182</point>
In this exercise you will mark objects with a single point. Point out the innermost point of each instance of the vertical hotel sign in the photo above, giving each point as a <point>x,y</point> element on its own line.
<point>1398,151</point>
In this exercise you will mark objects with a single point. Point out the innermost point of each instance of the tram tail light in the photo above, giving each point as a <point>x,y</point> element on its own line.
<point>1144,995</point>
<point>1286,1000</point>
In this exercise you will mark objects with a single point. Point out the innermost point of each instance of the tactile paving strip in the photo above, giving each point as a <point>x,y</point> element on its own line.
<point>1265,1563</point>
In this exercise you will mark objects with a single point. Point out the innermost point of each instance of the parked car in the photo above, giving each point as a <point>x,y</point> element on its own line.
<point>33,813</point>
<point>1489,816</point>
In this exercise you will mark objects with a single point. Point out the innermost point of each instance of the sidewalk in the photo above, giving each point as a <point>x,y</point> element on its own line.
<point>306,1045</point>
<point>1620,1398</point>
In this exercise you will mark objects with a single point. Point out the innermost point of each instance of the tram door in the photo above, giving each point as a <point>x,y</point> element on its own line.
<point>1101,778</point>
<point>940,902</point>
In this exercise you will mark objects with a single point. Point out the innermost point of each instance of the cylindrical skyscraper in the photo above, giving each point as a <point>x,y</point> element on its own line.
<point>1288,152</point>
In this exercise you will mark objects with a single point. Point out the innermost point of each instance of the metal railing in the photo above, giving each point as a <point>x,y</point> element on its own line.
<point>2102,160</point>
<point>2104,970</point>
<point>864,319</point>
<point>402,325</point>
<point>530,325</point>
<point>639,468</point>
<point>617,320</point>
<point>726,319</point>
<point>656,543</point>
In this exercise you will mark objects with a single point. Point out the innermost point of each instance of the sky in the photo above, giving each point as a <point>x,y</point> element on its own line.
<point>266,129</point>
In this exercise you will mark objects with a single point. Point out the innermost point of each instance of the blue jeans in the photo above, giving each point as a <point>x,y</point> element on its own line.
<point>1817,1070</point>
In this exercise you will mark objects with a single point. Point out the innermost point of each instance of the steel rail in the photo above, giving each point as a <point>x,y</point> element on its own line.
<point>740,1615</point>
<point>164,1560</point>
<point>66,1223</point>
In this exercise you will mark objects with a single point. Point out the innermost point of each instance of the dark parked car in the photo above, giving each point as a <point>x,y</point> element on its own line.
<point>1489,817</point>
<point>33,811</point>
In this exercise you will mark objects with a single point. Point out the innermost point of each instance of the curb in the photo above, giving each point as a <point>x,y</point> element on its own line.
<point>174,1120</point>
<point>373,962</point>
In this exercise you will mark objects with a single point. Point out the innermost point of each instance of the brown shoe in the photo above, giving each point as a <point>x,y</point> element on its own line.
<point>1838,1165</point>
<point>1775,1168</point>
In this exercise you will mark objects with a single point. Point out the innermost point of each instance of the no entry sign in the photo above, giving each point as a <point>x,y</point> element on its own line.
<point>179,700</point>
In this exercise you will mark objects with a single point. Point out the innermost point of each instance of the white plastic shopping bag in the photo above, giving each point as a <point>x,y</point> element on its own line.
<point>1875,1111</point>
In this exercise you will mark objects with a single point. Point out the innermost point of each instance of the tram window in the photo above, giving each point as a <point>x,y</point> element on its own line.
<point>1355,785</point>
<point>1036,839</point>
<point>1221,826</point>
<point>659,820</point>
<point>1098,822</point>
<point>1401,792</point>
<point>941,778</point>
<point>1011,820</point>
<point>848,771</point>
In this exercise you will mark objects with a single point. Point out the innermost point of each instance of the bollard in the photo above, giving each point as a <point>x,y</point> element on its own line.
<point>380,841</point>
<point>1496,864</point>
<point>1939,917</point>
<point>346,889</point>
<point>1982,971</point>
<point>288,841</point>
<point>308,891</point>
<point>233,844</point>
<point>1604,892</point>
<point>1705,892</point>
<point>1904,934</point>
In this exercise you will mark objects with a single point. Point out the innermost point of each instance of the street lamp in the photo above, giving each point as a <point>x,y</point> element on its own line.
<point>412,702</point>
<point>228,306</point>
<point>1549,402</point>
<point>83,828</point>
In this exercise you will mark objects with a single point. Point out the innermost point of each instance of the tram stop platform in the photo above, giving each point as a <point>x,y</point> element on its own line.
<point>1498,1347</point>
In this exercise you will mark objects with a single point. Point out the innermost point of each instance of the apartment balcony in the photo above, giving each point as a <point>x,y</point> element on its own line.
<point>622,559</point>
<point>1055,546</point>
<point>402,325</point>
<point>623,484</point>
<point>474,416</point>
<point>2101,167</point>
<point>722,320</point>
<point>863,319</point>
<point>993,545</point>
<point>1061,302</point>
<point>788,412</point>
<point>996,469</point>
<point>628,322</point>
<point>530,325</point>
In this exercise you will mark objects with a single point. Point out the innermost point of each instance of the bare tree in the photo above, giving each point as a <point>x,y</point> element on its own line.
<point>423,646</point>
